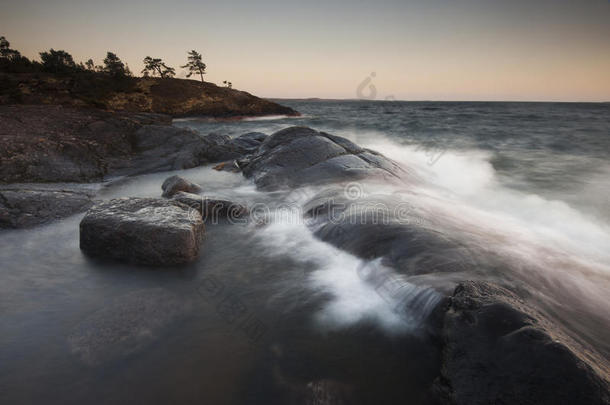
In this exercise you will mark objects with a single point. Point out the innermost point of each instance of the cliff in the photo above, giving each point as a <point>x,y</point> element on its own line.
<point>175,97</point>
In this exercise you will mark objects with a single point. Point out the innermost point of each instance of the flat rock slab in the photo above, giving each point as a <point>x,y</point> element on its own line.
<point>27,205</point>
<point>147,231</point>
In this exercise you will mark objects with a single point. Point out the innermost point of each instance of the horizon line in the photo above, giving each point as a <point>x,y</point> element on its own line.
<point>433,101</point>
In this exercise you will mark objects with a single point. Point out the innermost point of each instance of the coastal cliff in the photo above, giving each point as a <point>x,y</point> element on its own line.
<point>175,97</point>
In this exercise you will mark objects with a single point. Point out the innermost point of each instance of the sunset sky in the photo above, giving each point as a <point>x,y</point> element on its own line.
<point>418,50</point>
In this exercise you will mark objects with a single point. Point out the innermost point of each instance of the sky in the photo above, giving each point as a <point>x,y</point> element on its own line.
<point>534,50</point>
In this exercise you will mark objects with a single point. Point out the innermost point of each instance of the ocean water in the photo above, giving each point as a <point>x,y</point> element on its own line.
<point>269,309</point>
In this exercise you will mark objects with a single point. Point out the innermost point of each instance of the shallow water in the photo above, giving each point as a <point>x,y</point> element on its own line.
<point>268,307</point>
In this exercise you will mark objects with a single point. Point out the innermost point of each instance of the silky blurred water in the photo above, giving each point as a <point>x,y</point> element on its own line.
<point>268,308</point>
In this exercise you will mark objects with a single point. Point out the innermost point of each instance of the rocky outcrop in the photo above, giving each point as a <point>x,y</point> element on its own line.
<point>65,144</point>
<point>24,206</point>
<point>298,155</point>
<point>142,230</point>
<point>500,350</point>
<point>175,184</point>
<point>60,144</point>
<point>175,97</point>
<point>250,142</point>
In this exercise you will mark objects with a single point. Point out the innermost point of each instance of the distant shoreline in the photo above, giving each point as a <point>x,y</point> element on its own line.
<point>350,100</point>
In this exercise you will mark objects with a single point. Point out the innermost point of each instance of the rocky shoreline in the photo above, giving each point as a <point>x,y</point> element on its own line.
<point>494,345</point>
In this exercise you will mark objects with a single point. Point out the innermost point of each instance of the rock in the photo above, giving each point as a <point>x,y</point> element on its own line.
<point>174,184</point>
<point>213,209</point>
<point>194,201</point>
<point>67,144</point>
<point>27,206</point>
<point>63,144</point>
<point>163,147</point>
<point>176,97</point>
<point>500,350</point>
<point>297,156</point>
<point>142,230</point>
<point>250,141</point>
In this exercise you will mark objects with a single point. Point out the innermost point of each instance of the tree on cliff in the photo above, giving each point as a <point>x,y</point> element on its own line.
<point>11,59</point>
<point>57,61</point>
<point>153,66</point>
<point>89,65</point>
<point>195,64</point>
<point>113,66</point>
<point>6,52</point>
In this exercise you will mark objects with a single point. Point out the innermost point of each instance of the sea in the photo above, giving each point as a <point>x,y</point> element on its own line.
<point>272,314</point>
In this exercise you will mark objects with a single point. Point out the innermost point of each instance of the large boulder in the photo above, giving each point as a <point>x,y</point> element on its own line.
<point>142,230</point>
<point>500,350</point>
<point>174,184</point>
<point>298,156</point>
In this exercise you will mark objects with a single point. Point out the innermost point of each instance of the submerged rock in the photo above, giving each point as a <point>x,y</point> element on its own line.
<point>174,184</point>
<point>298,155</point>
<point>500,350</point>
<point>142,230</point>
<point>129,324</point>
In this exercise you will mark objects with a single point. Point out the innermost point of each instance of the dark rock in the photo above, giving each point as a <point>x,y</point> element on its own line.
<point>28,205</point>
<point>174,184</point>
<point>163,147</point>
<point>500,350</point>
<point>66,144</point>
<point>298,156</point>
<point>213,209</point>
<point>142,230</point>
<point>176,97</point>
<point>62,144</point>
<point>194,201</point>
<point>385,226</point>
<point>250,141</point>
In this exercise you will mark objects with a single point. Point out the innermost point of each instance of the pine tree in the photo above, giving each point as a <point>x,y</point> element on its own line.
<point>195,64</point>
<point>154,66</point>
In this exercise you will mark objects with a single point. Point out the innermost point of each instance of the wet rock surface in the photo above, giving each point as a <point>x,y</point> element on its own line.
<point>298,155</point>
<point>175,184</point>
<point>45,143</point>
<point>499,350</point>
<point>147,231</point>
<point>27,205</point>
